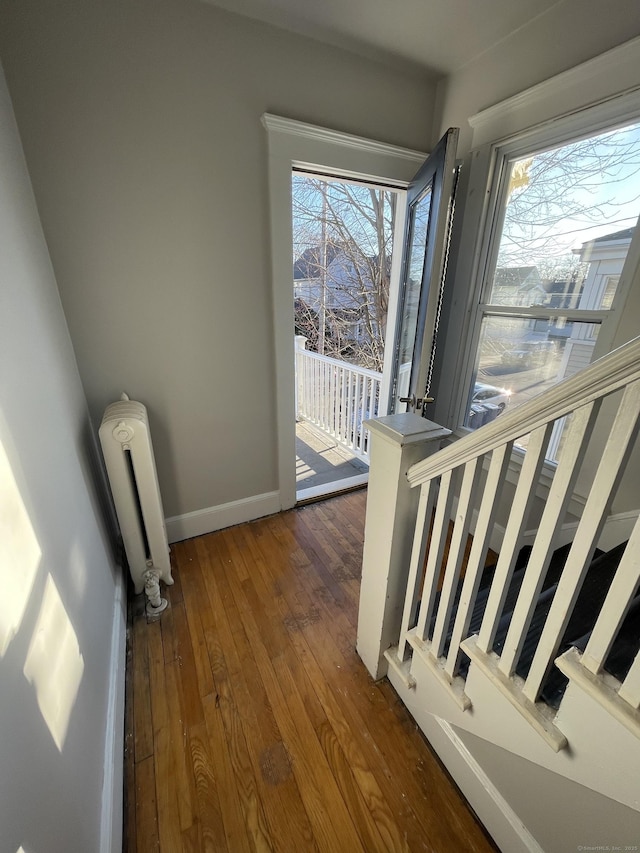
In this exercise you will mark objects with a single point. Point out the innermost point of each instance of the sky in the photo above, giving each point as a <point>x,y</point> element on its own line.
<point>575,193</point>
<point>350,202</point>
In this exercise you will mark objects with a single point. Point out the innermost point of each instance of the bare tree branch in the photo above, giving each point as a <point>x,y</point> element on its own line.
<point>342,249</point>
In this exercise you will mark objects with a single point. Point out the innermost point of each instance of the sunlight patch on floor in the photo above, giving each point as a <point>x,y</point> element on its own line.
<point>320,460</point>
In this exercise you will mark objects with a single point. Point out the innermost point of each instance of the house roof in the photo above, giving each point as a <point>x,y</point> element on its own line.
<point>516,277</point>
<point>309,264</point>
<point>626,233</point>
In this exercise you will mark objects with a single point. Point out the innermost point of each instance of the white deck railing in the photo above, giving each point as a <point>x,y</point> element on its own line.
<point>337,397</point>
<point>439,602</point>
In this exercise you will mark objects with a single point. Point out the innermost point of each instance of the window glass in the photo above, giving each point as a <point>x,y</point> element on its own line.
<point>520,358</point>
<point>567,220</point>
<point>569,216</point>
<point>611,285</point>
<point>419,226</point>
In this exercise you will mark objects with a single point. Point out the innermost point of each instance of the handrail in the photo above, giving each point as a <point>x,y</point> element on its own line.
<point>604,376</point>
<point>343,365</point>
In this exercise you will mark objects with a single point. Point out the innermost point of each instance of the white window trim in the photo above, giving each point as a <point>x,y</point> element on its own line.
<point>601,93</point>
<point>293,144</point>
<point>563,131</point>
<point>604,81</point>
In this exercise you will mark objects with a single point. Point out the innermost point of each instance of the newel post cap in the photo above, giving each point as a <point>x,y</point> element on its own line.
<point>405,429</point>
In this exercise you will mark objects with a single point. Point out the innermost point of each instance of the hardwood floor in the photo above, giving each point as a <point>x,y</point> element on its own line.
<point>252,724</point>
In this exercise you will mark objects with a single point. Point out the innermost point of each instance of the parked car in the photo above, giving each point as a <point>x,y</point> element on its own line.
<point>489,394</point>
<point>529,354</point>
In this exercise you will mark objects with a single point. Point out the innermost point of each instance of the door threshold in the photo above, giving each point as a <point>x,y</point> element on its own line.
<point>329,490</point>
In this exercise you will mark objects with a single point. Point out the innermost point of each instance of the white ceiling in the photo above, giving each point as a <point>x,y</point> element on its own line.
<point>440,36</point>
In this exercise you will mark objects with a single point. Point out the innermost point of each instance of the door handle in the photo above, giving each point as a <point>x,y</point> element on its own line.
<point>417,404</point>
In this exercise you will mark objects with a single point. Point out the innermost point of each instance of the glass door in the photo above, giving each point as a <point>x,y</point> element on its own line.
<point>429,213</point>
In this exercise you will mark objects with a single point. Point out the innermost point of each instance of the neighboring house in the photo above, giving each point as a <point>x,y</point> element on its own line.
<point>605,256</point>
<point>563,293</point>
<point>345,291</point>
<point>309,265</point>
<point>135,256</point>
<point>517,286</point>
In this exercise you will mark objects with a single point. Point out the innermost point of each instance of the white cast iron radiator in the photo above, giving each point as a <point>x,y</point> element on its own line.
<point>128,455</point>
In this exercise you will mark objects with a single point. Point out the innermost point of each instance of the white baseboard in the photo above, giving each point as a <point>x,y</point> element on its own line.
<point>225,515</point>
<point>112,785</point>
<point>618,528</point>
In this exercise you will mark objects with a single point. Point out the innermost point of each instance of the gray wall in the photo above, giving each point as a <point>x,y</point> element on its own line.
<point>570,32</point>
<point>56,571</point>
<point>562,815</point>
<point>141,127</point>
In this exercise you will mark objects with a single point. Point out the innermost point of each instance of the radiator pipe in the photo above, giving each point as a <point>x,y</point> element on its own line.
<point>155,603</point>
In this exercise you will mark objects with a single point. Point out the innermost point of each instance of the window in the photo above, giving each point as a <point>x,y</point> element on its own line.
<point>562,224</point>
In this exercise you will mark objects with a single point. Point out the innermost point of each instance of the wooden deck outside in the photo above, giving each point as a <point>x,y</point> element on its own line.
<point>252,725</point>
<point>320,460</point>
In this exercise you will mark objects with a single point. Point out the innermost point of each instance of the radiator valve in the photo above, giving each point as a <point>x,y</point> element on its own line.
<point>155,603</point>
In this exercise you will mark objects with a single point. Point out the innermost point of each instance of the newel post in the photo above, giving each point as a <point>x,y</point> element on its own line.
<point>397,442</point>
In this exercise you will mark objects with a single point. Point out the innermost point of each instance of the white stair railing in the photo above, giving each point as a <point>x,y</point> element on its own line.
<point>337,397</point>
<point>439,604</point>
<point>622,700</point>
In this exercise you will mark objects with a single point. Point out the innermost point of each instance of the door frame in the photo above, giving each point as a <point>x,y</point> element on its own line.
<point>294,144</point>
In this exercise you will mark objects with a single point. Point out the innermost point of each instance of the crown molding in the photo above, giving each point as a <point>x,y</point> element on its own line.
<point>278,124</point>
<point>598,80</point>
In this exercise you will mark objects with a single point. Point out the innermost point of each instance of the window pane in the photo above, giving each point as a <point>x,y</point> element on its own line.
<point>609,291</point>
<point>419,226</point>
<point>568,221</point>
<point>520,358</point>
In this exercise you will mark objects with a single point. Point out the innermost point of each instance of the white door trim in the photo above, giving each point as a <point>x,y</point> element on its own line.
<point>296,144</point>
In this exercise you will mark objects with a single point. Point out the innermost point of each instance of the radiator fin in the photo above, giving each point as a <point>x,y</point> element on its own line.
<point>128,454</point>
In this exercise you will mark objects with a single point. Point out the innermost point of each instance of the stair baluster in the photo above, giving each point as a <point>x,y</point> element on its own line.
<point>576,439</point>
<point>615,607</point>
<point>436,550</point>
<point>608,475</point>
<point>473,576</point>
<point>630,690</point>
<point>418,554</point>
<point>523,499</point>
<point>456,554</point>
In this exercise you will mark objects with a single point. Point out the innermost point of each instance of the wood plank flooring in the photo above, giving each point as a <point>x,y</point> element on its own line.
<point>252,724</point>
